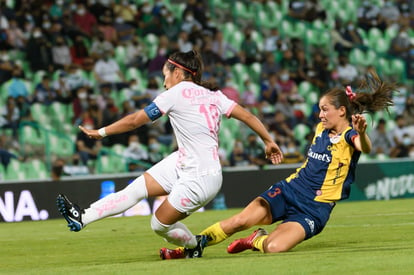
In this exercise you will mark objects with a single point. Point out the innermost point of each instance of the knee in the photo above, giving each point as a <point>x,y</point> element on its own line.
<point>275,247</point>
<point>158,227</point>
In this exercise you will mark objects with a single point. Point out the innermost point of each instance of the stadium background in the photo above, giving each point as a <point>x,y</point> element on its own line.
<point>53,133</point>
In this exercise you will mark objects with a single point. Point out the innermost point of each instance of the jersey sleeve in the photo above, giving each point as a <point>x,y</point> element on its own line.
<point>227,105</point>
<point>350,136</point>
<point>166,100</point>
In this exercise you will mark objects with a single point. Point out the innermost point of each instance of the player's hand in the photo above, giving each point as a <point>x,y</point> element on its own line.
<point>359,123</point>
<point>273,153</point>
<point>90,133</point>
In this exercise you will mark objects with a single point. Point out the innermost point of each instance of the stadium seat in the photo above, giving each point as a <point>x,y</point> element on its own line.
<point>15,170</point>
<point>111,163</point>
<point>241,10</point>
<point>151,43</point>
<point>35,169</point>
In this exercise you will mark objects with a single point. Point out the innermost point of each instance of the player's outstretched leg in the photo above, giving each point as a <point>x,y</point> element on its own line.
<point>71,212</point>
<point>181,253</point>
<point>243,244</point>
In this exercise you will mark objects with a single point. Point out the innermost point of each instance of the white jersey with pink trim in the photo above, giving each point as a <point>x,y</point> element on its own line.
<point>195,115</point>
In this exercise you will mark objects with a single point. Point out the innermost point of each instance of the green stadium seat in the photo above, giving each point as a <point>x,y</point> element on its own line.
<point>35,169</point>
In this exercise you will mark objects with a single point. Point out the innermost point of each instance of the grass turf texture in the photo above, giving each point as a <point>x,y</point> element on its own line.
<point>375,237</point>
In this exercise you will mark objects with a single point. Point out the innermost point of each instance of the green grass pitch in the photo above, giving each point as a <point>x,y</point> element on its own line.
<point>375,237</point>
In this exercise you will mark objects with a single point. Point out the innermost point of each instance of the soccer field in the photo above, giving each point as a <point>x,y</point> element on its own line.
<point>375,237</point>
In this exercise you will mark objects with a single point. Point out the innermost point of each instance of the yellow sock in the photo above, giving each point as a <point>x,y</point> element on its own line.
<point>214,233</point>
<point>258,242</point>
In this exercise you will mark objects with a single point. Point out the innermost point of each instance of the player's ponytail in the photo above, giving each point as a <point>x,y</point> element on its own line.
<point>371,96</point>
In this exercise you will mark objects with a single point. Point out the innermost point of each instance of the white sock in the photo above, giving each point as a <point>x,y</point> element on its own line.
<point>116,203</point>
<point>177,233</point>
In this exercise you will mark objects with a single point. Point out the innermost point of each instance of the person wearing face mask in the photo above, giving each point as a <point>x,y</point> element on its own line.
<point>88,149</point>
<point>61,53</point>
<point>38,51</point>
<point>136,154</point>
<point>170,25</point>
<point>401,44</point>
<point>189,22</point>
<point>84,20</point>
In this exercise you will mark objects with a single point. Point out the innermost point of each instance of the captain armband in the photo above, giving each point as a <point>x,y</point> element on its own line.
<point>152,111</point>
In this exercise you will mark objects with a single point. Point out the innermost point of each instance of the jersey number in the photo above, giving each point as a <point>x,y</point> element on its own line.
<point>212,117</point>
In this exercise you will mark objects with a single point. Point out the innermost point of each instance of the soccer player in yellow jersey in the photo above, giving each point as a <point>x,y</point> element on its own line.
<point>304,200</point>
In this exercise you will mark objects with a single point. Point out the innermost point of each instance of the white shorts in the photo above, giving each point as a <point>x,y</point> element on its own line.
<point>187,191</point>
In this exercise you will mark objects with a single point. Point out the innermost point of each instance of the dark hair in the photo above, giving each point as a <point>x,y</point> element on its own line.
<point>371,96</point>
<point>192,66</point>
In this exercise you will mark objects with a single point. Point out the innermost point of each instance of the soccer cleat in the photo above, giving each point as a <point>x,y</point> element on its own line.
<point>169,254</point>
<point>197,252</point>
<point>180,253</point>
<point>243,244</point>
<point>71,212</point>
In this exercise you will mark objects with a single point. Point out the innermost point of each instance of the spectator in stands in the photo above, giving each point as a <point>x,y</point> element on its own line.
<point>189,21</point>
<point>106,26</point>
<point>84,20</point>
<point>125,32</point>
<point>170,25</point>
<point>136,154</point>
<point>126,11</point>
<point>306,10</point>
<point>38,52</point>
<point>79,51</point>
<point>401,44</point>
<point>368,16</point>
<point>286,85</point>
<point>254,151</point>
<point>280,126</point>
<point>269,65</point>
<point>400,130</point>
<point>6,155</point>
<point>269,90</point>
<point>403,148</point>
<point>228,54</point>
<point>390,13</point>
<point>10,116</point>
<point>340,39</point>
<point>16,86</point>
<point>292,153</point>
<point>15,36</point>
<point>61,54</point>
<point>238,157</point>
<point>184,44</point>
<point>108,72</point>
<point>135,54</point>
<point>100,45</point>
<point>88,149</point>
<point>382,141</point>
<point>347,73</point>
<point>44,93</point>
<point>248,96</point>
<point>155,64</point>
<point>154,150</point>
<point>249,48</point>
<point>56,9</point>
<point>197,9</point>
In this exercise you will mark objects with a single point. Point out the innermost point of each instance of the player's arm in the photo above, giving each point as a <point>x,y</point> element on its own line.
<point>272,151</point>
<point>127,123</point>
<point>361,141</point>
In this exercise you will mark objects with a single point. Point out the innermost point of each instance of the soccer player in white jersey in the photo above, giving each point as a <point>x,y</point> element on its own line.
<point>191,176</point>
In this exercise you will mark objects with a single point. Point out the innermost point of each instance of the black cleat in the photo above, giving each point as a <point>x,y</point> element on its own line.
<point>71,212</point>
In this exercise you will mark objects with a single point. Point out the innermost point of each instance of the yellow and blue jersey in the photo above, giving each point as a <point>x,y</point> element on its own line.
<point>329,170</point>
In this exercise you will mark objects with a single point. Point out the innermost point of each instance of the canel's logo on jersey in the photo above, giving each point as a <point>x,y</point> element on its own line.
<point>317,156</point>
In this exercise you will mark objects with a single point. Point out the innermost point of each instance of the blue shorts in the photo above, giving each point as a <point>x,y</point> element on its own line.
<point>288,205</point>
